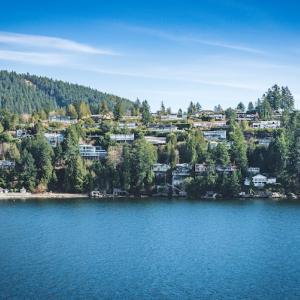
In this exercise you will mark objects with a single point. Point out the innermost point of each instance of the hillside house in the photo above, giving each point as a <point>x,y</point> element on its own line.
<point>163,128</point>
<point>66,120</point>
<point>155,140</point>
<point>274,124</point>
<point>122,138</point>
<point>215,135</point>
<point>54,138</point>
<point>130,126</point>
<point>90,152</point>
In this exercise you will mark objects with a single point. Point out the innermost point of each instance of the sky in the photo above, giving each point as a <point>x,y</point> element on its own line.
<point>213,52</point>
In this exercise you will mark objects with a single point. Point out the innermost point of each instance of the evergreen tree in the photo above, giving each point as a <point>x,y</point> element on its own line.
<point>146,113</point>
<point>118,110</point>
<point>241,107</point>
<point>71,111</point>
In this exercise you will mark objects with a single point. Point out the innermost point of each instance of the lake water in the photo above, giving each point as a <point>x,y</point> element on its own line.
<point>149,249</point>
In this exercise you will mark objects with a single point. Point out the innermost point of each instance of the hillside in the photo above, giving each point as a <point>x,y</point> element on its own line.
<point>25,93</point>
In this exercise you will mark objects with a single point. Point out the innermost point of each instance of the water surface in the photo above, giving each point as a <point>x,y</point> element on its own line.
<point>149,249</point>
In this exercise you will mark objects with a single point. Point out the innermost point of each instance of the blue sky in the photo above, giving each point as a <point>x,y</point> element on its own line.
<point>209,51</point>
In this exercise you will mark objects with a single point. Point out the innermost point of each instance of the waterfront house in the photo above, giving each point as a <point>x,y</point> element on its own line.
<point>122,138</point>
<point>260,181</point>
<point>54,138</point>
<point>215,135</point>
<point>181,172</point>
<point>160,171</point>
<point>90,152</point>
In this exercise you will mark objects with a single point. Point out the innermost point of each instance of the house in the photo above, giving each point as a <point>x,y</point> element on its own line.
<point>21,133</point>
<point>253,170</point>
<point>201,169</point>
<point>181,172</point>
<point>163,128</point>
<point>260,181</point>
<point>99,117</point>
<point>92,152</point>
<point>7,164</point>
<point>215,135</point>
<point>265,142</point>
<point>161,168</point>
<point>274,124</point>
<point>127,125</point>
<point>209,125</point>
<point>62,119</point>
<point>155,140</point>
<point>241,116</point>
<point>172,117</point>
<point>216,116</point>
<point>227,169</point>
<point>54,138</point>
<point>122,138</point>
<point>160,172</point>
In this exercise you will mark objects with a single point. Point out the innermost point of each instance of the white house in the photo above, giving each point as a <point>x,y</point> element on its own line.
<point>155,140</point>
<point>122,138</point>
<point>172,117</point>
<point>260,181</point>
<point>54,138</point>
<point>217,116</point>
<point>21,133</point>
<point>163,129</point>
<point>215,135</point>
<point>92,152</point>
<point>273,124</point>
<point>62,119</point>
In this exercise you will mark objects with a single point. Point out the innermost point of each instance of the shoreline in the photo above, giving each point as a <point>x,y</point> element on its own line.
<point>22,196</point>
<point>8,196</point>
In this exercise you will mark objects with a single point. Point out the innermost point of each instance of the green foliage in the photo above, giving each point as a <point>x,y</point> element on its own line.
<point>24,93</point>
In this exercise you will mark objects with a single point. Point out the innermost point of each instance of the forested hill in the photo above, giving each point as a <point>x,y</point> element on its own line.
<point>25,93</point>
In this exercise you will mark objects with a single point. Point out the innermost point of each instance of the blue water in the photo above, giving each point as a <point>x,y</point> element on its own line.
<point>79,249</point>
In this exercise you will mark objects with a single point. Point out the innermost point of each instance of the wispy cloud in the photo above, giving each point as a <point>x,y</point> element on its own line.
<point>168,77</point>
<point>36,58</point>
<point>48,42</point>
<point>187,38</point>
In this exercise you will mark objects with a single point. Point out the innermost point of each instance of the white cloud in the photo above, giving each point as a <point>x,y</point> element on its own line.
<point>33,57</point>
<point>49,42</point>
<point>192,39</point>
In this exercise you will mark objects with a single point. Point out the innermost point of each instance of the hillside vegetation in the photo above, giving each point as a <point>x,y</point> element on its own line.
<point>25,93</point>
